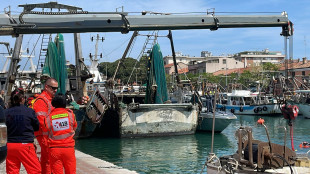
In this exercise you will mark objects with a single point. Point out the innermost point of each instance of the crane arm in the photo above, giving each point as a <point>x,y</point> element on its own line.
<point>79,22</point>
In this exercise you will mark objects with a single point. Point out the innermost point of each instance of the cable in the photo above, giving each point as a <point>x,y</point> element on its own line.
<point>282,158</point>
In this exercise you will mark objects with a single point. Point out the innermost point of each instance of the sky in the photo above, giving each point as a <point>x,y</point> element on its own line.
<point>188,42</point>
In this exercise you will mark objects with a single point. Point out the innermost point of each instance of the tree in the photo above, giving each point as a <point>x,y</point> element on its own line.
<point>129,68</point>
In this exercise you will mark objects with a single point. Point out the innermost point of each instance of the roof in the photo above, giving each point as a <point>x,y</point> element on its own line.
<point>169,65</point>
<point>230,71</point>
<point>295,65</point>
<point>184,70</point>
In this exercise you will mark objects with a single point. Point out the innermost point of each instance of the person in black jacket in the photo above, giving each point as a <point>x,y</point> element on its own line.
<point>21,123</point>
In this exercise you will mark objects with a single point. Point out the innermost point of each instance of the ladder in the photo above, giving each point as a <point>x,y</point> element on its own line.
<point>46,38</point>
<point>150,41</point>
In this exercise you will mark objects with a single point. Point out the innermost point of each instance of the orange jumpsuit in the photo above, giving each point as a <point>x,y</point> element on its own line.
<point>61,125</point>
<point>43,107</point>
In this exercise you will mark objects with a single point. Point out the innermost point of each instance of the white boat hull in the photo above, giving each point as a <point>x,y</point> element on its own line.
<point>222,120</point>
<point>147,120</point>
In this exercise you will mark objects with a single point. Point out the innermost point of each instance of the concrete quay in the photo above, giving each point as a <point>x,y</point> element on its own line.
<point>86,164</point>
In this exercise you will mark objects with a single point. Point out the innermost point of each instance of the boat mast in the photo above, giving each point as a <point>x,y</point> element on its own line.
<point>174,58</point>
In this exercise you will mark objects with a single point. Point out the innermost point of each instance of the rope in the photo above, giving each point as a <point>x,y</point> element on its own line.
<point>212,161</point>
<point>232,166</point>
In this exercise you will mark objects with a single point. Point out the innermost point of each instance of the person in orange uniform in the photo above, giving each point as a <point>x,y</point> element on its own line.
<point>43,107</point>
<point>61,125</point>
<point>21,123</point>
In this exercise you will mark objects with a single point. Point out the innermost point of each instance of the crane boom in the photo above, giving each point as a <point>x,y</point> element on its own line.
<point>79,22</point>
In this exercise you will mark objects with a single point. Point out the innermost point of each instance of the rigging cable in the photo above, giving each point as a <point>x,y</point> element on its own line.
<point>31,53</point>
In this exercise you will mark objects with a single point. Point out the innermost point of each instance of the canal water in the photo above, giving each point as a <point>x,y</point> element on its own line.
<point>187,154</point>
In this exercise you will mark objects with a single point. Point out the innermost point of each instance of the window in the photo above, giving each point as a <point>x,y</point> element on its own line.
<point>224,61</point>
<point>303,73</point>
<point>293,74</point>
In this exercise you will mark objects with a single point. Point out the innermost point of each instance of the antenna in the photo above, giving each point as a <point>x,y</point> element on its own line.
<point>305,42</point>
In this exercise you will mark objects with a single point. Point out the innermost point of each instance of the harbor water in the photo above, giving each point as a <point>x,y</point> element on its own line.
<point>187,153</point>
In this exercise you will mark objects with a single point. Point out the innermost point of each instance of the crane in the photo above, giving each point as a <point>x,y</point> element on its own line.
<point>78,21</point>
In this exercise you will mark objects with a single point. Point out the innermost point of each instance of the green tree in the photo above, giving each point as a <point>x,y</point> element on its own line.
<point>129,68</point>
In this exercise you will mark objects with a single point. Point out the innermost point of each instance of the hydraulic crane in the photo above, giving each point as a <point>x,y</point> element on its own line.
<point>75,21</point>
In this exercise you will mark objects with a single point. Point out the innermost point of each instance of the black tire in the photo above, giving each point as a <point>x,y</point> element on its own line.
<point>259,109</point>
<point>265,108</point>
<point>256,110</point>
<point>241,109</point>
<point>232,110</point>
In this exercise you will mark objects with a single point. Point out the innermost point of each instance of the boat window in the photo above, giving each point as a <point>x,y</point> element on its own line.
<point>248,100</point>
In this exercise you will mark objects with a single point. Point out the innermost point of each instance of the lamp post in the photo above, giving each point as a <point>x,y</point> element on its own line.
<point>226,75</point>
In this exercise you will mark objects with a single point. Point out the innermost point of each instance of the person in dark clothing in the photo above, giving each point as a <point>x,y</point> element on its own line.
<point>21,123</point>
<point>2,104</point>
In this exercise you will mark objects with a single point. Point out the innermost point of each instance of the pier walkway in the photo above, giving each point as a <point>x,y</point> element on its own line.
<point>85,164</point>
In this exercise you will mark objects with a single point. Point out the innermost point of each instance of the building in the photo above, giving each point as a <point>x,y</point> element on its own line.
<point>213,64</point>
<point>256,58</point>
<point>208,63</point>
<point>297,70</point>
<point>182,68</point>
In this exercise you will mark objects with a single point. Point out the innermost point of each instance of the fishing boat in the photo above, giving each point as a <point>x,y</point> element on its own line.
<point>150,113</point>
<point>244,102</point>
<point>302,100</point>
<point>205,118</point>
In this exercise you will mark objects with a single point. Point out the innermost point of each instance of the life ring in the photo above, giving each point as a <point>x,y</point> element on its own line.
<point>232,110</point>
<point>259,109</point>
<point>256,110</point>
<point>265,108</point>
<point>241,109</point>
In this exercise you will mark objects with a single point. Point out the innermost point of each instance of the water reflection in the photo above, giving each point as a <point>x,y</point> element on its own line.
<point>187,154</point>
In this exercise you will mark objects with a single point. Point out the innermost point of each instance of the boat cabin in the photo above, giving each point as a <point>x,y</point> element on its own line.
<point>241,97</point>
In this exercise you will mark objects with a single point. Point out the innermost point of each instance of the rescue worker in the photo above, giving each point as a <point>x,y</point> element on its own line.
<point>43,107</point>
<point>21,123</point>
<point>61,126</point>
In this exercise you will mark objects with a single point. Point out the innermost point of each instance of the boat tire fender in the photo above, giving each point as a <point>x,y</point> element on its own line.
<point>232,110</point>
<point>259,109</point>
<point>265,108</point>
<point>241,109</point>
<point>256,110</point>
